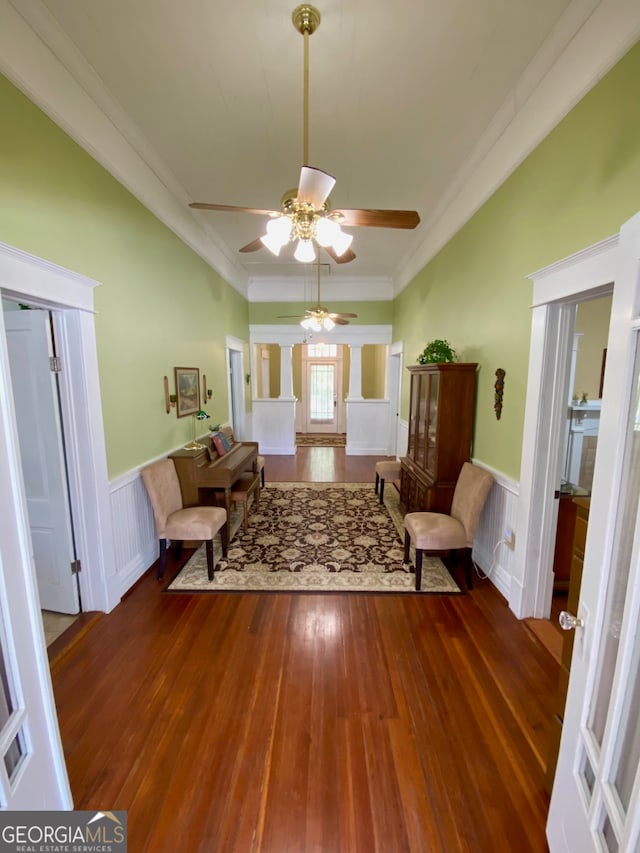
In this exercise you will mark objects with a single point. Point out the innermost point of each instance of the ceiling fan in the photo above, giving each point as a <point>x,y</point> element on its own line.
<point>318,318</point>
<point>305,214</point>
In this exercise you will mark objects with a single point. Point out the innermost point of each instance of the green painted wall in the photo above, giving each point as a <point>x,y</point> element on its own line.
<point>374,371</point>
<point>579,185</point>
<point>592,322</point>
<point>159,305</point>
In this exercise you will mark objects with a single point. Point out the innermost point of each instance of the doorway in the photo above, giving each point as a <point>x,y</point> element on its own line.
<point>579,436</point>
<point>235,388</point>
<point>322,388</point>
<point>36,399</point>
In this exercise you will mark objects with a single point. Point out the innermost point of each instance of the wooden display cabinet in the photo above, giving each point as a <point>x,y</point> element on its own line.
<point>441,413</point>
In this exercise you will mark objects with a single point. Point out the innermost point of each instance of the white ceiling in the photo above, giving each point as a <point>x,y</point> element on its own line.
<point>406,97</point>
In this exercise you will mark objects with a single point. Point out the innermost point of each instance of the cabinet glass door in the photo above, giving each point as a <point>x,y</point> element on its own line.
<point>413,418</point>
<point>431,421</point>
<point>423,386</point>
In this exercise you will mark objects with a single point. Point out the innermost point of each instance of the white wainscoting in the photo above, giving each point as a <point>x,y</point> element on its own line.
<point>136,545</point>
<point>273,426</point>
<point>368,427</point>
<point>500,512</point>
<point>135,539</point>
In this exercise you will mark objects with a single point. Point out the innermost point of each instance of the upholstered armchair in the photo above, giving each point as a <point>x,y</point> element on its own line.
<point>177,523</point>
<point>437,533</point>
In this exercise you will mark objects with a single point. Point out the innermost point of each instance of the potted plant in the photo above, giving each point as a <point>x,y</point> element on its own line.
<point>436,352</point>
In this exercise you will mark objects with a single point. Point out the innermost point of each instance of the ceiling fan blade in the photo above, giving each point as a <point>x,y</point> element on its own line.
<point>380,218</point>
<point>345,258</point>
<point>342,315</point>
<point>315,186</point>
<point>230,208</point>
<point>253,246</point>
<point>339,321</point>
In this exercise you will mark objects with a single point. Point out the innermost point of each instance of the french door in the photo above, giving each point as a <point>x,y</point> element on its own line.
<point>322,396</point>
<point>32,771</point>
<point>595,802</point>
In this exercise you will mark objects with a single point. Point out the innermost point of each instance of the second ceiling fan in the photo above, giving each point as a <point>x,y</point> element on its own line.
<point>318,318</point>
<point>305,216</point>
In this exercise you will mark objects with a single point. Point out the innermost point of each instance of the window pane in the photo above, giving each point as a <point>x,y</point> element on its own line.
<point>322,350</point>
<point>321,393</point>
<point>609,838</point>
<point>620,566</point>
<point>14,754</point>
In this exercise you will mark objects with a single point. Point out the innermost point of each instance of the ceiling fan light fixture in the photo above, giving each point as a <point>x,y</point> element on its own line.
<point>280,229</point>
<point>305,253</point>
<point>327,230</point>
<point>272,243</point>
<point>341,242</point>
<point>328,324</point>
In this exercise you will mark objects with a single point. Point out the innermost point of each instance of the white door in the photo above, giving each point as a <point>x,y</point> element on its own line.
<point>595,802</point>
<point>32,770</point>
<point>35,397</point>
<point>322,396</point>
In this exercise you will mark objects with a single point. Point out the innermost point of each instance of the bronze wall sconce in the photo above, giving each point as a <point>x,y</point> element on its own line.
<point>499,389</point>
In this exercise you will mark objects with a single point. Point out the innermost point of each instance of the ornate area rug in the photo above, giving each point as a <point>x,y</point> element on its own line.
<point>315,537</point>
<point>321,439</point>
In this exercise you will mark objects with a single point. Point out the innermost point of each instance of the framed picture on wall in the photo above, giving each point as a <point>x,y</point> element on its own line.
<point>187,391</point>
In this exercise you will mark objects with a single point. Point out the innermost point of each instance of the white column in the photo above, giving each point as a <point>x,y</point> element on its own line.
<point>286,372</point>
<point>355,373</point>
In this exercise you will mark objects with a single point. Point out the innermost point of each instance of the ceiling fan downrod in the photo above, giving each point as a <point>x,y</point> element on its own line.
<point>306,20</point>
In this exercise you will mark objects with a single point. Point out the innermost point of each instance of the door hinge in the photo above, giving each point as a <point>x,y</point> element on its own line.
<point>55,364</point>
<point>76,567</point>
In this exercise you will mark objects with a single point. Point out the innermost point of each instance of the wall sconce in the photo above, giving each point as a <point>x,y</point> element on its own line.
<point>169,399</point>
<point>207,393</point>
<point>499,392</point>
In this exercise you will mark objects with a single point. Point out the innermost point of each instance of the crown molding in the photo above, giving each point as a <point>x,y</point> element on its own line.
<point>588,40</point>
<point>38,57</point>
<point>41,60</point>
<point>289,335</point>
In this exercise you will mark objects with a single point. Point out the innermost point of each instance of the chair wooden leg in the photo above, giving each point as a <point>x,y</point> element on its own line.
<point>224,539</point>
<point>209,547</point>
<point>377,481</point>
<point>177,548</point>
<point>407,546</point>
<point>468,564</point>
<point>246,513</point>
<point>262,477</point>
<point>381,489</point>
<point>163,558</point>
<point>418,569</point>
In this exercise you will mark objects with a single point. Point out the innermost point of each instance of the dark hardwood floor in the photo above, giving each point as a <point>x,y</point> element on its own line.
<point>241,722</point>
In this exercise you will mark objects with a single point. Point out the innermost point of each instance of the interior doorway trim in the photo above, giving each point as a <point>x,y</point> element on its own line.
<point>556,289</point>
<point>235,383</point>
<point>27,278</point>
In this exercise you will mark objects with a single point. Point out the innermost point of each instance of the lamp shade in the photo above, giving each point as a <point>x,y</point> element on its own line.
<point>327,231</point>
<point>280,229</point>
<point>305,252</point>
<point>342,242</point>
<point>272,243</point>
